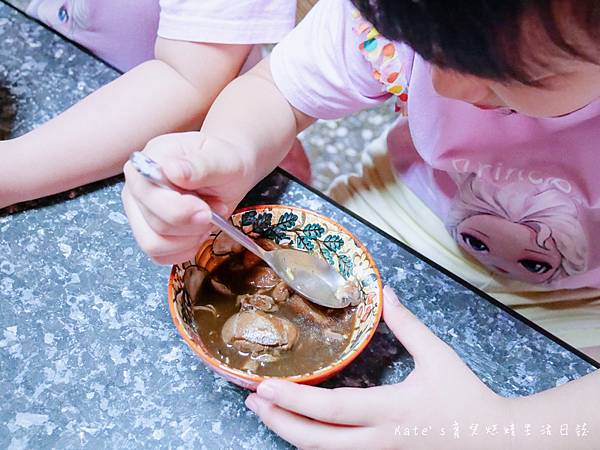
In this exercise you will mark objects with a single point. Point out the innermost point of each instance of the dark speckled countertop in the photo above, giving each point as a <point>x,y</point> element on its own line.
<point>89,356</point>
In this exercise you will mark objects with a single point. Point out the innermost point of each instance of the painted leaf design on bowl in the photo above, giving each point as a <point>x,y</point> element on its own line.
<point>333,243</point>
<point>286,221</point>
<point>328,256</point>
<point>248,218</point>
<point>305,243</point>
<point>345,266</point>
<point>313,230</point>
<point>302,233</point>
<point>262,224</point>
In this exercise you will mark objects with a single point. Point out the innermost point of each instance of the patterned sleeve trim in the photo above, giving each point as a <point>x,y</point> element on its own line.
<point>386,61</point>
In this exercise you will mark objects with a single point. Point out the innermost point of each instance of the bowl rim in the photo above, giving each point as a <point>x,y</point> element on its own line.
<point>313,377</point>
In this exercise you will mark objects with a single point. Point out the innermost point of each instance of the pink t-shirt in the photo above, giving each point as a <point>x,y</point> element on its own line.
<point>227,22</point>
<point>520,194</point>
<point>123,32</point>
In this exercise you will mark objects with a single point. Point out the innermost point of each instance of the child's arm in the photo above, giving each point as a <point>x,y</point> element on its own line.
<point>247,132</point>
<point>570,412</point>
<point>92,139</point>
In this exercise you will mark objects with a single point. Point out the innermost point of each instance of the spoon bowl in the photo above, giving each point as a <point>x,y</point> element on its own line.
<point>310,276</point>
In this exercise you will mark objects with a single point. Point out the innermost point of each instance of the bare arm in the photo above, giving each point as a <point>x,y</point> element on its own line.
<point>92,139</point>
<point>247,132</point>
<point>265,126</point>
<point>574,404</point>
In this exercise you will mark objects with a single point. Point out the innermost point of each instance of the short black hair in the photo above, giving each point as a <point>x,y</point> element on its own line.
<point>484,37</point>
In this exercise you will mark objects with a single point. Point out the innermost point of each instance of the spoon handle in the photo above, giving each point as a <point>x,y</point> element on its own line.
<point>239,237</point>
<point>152,171</point>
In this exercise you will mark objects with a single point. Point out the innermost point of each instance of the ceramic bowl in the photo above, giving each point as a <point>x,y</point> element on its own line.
<point>303,230</point>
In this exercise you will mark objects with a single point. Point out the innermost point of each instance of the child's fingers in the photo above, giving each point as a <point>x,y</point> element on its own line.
<point>171,207</point>
<point>166,229</point>
<point>176,258</point>
<point>343,406</point>
<point>152,243</point>
<point>306,433</point>
<point>203,163</point>
<point>419,341</point>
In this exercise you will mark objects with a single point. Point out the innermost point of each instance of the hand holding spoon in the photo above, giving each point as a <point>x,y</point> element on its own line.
<point>305,273</point>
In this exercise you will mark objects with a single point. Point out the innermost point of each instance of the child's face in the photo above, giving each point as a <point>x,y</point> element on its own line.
<point>566,83</point>
<point>560,93</point>
<point>508,248</point>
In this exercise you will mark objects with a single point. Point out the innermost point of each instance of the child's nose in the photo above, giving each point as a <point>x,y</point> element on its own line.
<point>467,88</point>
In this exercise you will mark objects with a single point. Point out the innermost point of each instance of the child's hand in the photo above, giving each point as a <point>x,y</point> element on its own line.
<point>170,226</point>
<point>440,393</point>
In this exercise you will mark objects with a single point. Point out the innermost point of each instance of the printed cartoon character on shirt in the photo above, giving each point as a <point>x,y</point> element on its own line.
<point>518,230</point>
<point>121,32</point>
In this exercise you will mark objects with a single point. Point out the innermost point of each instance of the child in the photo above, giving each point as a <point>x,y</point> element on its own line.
<point>200,47</point>
<point>497,157</point>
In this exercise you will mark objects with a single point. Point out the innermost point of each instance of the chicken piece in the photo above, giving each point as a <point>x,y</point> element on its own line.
<point>193,278</point>
<point>256,332</point>
<point>349,292</point>
<point>248,302</point>
<point>302,308</point>
<point>220,287</point>
<point>250,260</point>
<point>224,245</point>
<point>262,277</point>
<point>281,292</point>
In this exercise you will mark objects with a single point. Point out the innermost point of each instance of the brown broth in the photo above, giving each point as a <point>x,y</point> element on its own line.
<point>316,347</point>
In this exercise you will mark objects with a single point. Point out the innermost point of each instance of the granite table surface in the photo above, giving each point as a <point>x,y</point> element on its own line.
<point>89,356</point>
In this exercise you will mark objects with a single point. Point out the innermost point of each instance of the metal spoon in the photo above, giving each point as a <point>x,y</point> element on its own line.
<point>305,273</point>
